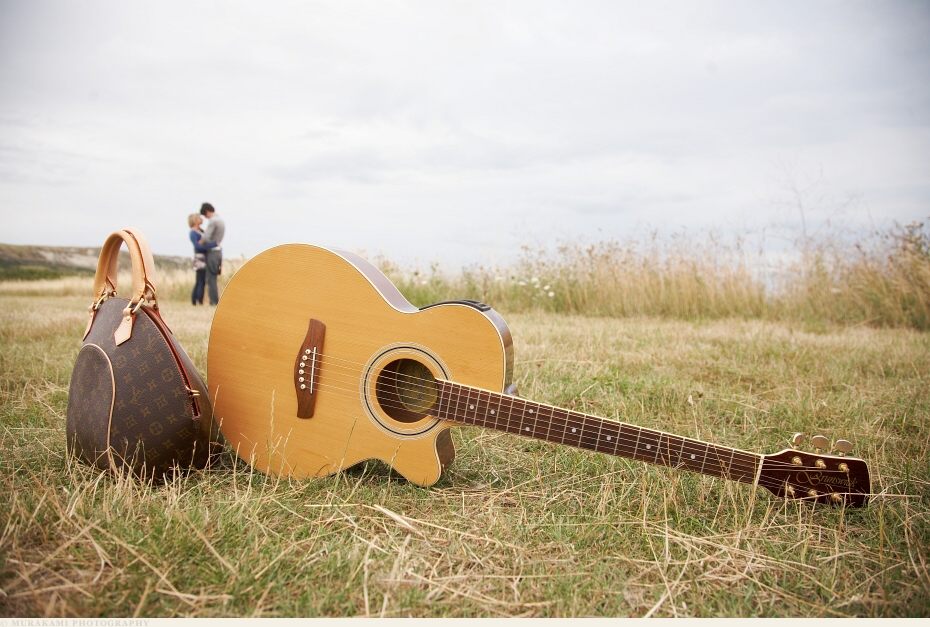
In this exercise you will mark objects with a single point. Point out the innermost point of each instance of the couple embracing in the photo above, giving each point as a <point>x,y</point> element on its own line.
<point>208,252</point>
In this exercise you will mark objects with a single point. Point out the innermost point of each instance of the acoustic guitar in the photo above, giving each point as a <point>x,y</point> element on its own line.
<point>317,362</point>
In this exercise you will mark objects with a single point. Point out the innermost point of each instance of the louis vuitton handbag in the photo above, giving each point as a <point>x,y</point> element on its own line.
<point>135,402</point>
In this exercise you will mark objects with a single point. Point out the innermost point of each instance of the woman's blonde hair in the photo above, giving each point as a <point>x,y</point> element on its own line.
<point>192,219</point>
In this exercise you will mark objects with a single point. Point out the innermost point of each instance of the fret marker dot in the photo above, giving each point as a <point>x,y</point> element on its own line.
<point>692,455</point>
<point>531,411</point>
<point>608,438</point>
<point>471,407</point>
<point>574,430</point>
<point>526,428</point>
<point>492,412</point>
<point>648,446</point>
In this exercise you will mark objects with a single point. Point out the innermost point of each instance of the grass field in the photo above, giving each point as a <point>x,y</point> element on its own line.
<point>515,527</point>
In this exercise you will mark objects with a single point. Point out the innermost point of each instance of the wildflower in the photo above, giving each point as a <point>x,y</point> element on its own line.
<point>551,294</point>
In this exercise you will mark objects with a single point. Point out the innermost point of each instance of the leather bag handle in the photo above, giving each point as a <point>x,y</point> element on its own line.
<point>143,267</point>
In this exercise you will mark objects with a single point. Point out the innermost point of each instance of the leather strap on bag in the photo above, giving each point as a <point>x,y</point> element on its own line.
<point>143,266</point>
<point>143,277</point>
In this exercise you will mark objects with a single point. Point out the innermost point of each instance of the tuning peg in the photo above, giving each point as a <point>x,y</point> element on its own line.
<point>842,447</point>
<point>821,443</point>
<point>796,440</point>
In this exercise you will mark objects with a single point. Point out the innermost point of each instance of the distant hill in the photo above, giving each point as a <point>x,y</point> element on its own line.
<point>51,262</point>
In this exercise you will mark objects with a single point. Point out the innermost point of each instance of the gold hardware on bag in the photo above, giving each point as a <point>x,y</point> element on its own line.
<point>150,295</point>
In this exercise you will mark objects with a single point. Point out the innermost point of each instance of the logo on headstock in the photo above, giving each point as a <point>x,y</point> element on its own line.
<point>818,478</point>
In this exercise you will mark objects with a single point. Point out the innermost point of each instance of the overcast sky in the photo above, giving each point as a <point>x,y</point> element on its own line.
<point>458,131</point>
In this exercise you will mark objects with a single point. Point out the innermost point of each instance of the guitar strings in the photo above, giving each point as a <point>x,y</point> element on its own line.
<point>688,448</point>
<point>416,382</point>
<point>746,461</point>
<point>596,442</point>
<point>734,469</point>
<point>586,439</point>
<point>726,468</point>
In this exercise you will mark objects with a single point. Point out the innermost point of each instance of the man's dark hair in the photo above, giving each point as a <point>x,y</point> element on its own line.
<point>206,208</point>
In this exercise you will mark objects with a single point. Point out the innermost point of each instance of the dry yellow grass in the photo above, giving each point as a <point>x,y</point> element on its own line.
<point>516,527</point>
<point>883,280</point>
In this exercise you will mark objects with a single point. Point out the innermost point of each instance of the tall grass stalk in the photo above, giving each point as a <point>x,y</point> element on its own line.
<point>883,280</point>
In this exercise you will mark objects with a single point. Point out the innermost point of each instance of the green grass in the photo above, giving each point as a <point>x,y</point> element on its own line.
<point>515,527</point>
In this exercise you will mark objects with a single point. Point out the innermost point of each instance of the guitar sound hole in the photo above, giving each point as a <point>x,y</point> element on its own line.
<point>406,390</point>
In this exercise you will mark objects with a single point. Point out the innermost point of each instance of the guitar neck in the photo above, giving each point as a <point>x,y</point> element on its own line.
<point>474,406</point>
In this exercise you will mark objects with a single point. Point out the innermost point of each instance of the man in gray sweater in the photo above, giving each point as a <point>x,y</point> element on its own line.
<point>216,229</point>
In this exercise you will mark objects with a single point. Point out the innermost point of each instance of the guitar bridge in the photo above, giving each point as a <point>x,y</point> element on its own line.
<point>307,368</point>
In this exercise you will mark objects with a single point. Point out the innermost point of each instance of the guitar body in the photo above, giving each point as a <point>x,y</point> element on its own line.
<point>365,338</point>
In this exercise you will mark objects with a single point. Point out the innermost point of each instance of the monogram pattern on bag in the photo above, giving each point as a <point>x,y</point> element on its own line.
<point>153,427</point>
<point>90,397</point>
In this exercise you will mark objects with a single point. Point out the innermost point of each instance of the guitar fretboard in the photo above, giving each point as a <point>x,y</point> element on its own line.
<point>491,410</point>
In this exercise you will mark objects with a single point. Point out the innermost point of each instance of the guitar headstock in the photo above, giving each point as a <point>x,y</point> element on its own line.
<point>830,479</point>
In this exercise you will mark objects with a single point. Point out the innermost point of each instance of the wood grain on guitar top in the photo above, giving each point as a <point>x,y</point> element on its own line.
<point>262,321</point>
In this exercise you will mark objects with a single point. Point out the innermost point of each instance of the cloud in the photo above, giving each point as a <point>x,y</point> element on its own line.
<point>459,130</point>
